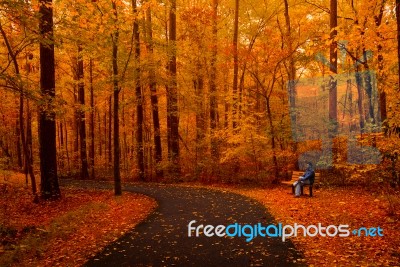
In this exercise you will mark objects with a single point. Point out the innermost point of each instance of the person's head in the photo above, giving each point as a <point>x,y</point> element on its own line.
<point>309,165</point>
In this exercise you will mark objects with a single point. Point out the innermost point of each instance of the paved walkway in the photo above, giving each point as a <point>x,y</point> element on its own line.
<point>162,239</point>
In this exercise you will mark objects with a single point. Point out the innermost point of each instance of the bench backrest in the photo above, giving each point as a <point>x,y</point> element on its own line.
<point>297,174</point>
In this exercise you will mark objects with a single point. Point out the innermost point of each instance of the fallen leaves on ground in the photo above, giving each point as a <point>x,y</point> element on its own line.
<point>334,206</point>
<point>65,232</point>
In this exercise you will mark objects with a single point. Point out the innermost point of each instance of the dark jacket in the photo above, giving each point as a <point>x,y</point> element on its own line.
<point>309,175</point>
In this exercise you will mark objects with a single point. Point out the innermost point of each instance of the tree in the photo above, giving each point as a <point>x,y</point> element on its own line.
<point>172,94</point>
<point>139,97</point>
<point>81,116</point>
<point>91,121</point>
<point>213,77</point>
<point>115,38</point>
<point>398,39</point>
<point>382,93</point>
<point>20,125</point>
<point>137,106</point>
<point>198,83</point>
<point>291,70</point>
<point>333,69</point>
<point>153,96</point>
<point>235,65</point>
<point>47,125</point>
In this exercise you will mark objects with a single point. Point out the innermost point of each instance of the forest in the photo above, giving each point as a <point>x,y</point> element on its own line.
<point>226,92</point>
<point>197,90</point>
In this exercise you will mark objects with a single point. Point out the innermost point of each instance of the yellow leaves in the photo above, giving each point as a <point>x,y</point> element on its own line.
<point>326,36</point>
<point>82,23</point>
<point>358,27</point>
<point>35,7</point>
<point>73,13</point>
<point>309,52</point>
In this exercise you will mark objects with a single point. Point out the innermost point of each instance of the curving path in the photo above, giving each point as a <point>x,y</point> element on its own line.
<point>162,239</point>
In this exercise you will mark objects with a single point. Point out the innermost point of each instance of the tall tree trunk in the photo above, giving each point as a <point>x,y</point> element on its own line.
<point>172,98</point>
<point>109,130</point>
<point>82,116</point>
<point>398,40</point>
<point>27,150</point>
<point>115,37</point>
<point>106,138</point>
<point>273,143</point>
<point>227,104</point>
<point>28,166</point>
<point>91,121</point>
<point>333,123</point>
<point>333,69</point>
<point>124,144</point>
<point>241,94</point>
<point>382,93</point>
<point>368,88</point>
<point>61,134</point>
<point>18,143</point>
<point>154,98</point>
<point>200,116</point>
<point>213,84</point>
<point>360,96</point>
<point>235,65</point>
<point>76,118</point>
<point>29,142</point>
<point>99,134</point>
<point>139,97</point>
<point>291,71</point>
<point>66,146</point>
<point>47,125</point>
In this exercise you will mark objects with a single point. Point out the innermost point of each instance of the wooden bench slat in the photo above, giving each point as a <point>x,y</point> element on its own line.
<point>297,174</point>
<point>317,174</point>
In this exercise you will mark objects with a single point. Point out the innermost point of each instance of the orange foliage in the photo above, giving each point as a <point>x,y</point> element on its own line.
<point>70,230</point>
<point>334,206</point>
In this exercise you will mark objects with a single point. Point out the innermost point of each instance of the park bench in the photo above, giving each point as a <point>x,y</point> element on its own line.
<point>295,177</point>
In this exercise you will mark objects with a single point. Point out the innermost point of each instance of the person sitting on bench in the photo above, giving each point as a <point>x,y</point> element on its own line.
<point>307,178</point>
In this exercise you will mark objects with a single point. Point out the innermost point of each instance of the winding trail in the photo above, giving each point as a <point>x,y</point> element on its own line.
<point>162,239</point>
